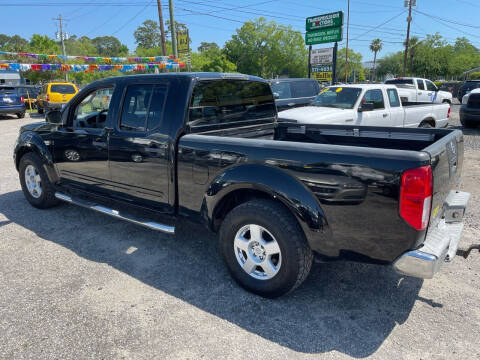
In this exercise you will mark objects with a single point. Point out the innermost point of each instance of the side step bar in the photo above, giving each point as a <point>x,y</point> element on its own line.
<point>116,214</point>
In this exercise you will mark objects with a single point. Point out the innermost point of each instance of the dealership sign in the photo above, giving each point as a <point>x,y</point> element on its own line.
<point>324,21</point>
<point>321,56</point>
<point>323,36</point>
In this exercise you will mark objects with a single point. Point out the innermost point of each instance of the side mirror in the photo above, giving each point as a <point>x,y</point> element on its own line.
<point>276,95</point>
<point>54,117</point>
<point>368,106</point>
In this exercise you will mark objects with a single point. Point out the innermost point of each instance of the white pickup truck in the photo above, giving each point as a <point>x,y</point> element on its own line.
<point>367,105</point>
<point>418,90</point>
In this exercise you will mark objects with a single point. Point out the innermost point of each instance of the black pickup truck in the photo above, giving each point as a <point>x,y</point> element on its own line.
<point>206,146</point>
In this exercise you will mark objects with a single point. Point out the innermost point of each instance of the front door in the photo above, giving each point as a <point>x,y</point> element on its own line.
<point>379,116</point>
<point>81,146</point>
<point>138,148</point>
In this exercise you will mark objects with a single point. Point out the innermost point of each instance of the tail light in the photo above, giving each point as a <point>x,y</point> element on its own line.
<point>416,196</point>
<point>448,113</point>
<point>47,98</point>
<point>22,99</point>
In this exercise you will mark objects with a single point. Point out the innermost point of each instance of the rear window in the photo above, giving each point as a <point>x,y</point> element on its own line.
<point>304,89</point>
<point>63,89</point>
<point>7,89</point>
<point>469,85</point>
<point>401,83</point>
<point>227,101</point>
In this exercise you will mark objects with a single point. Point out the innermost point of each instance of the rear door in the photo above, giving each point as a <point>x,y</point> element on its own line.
<point>422,93</point>
<point>397,113</point>
<point>138,147</point>
<point>380,115</point>
<point>61,93</point>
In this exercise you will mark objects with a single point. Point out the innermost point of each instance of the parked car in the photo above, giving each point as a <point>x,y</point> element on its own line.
<point>54,94</point>
<point>11,102</point>
<point>367,105</point>
<point>290,93</point>
<point>470,109</point>
<point>451,86</point>
<point>418,90</point>
<point>466,87</point>
<point>29,93</point>
<point>207,147</point>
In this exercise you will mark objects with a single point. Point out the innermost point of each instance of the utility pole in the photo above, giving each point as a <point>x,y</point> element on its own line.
<point>62,36</point>
<point>408,3</point>
<point>162,29</point>
<point>173,29</point>
<point>346,49</point>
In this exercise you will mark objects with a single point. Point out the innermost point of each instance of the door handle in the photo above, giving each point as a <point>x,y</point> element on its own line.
<point>348,120</point>
<point>419,93</point>
<point>385,115</point>
<point>101,144</point>
<point>291,104</point>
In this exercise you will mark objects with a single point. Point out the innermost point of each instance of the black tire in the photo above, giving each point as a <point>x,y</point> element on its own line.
<point>47,198</point>
<point>426,125</point>
<point>21,115</point>
<point>295,252</point>
<point>40,110</point>
<point>465,123</point>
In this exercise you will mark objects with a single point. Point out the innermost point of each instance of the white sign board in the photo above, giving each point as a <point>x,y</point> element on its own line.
<point>321,56</point>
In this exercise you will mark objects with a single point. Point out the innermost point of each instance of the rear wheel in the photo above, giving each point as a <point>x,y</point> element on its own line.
<point>21,115</point>
<point>426,125</point>
<point>264,248</point>
<point>40,110</point>
<point>35,184</point>
<point>465,123</point>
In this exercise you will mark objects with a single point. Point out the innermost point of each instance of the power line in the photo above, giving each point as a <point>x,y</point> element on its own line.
<point>133,18</point>
<point>378,26</point>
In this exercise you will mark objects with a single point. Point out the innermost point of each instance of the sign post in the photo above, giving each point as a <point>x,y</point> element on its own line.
<point>323,29</point>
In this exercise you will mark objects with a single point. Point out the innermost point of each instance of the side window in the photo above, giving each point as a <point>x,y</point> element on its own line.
<point>375,97</point>
<point>135,107</point>
<point>393,98</point>
<point>282,88</point>
<point>227,101</point>
<point>420,84</point>
<point>93,110</point>
<point>143,107</point>
<point>304,89</point>
<point>430,86</point>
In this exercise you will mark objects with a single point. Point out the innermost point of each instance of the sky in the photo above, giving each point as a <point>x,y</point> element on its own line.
<point>217,20</point>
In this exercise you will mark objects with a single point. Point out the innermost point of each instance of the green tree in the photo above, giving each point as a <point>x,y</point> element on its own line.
<point>267,49</point>
<point>355,68</point>
<point>205,46</point>
<point>109,46</point>
<point>80,46</point>
<point>212,60</point>
<point>390,64</point>
<point>42,44</point>
<point>13,43</point>
<point>375,46</point>
<point>148,35</point>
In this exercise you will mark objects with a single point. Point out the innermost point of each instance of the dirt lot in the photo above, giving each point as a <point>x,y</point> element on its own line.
<point>76,284</point>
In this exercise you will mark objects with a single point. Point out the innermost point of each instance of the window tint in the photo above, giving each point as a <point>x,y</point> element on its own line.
<point>393,98</point>
<point>375,97</point>
<point>63,89</point>
<point>430,86</point>
<point>282,89</point>
<point>135,105</point>
<point>420,84</point>
<point>93,110</point>
<point>157,106</point>
<point>304,88</point>
<point>225,101</point>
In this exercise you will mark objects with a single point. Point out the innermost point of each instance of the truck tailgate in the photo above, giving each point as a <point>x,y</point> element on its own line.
<point>446,161</point>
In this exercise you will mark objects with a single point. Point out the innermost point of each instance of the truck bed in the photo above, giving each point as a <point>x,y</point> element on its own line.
<point>353,172</point>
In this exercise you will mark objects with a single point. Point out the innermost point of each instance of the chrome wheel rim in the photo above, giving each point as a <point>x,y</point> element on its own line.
<point>33,181</point>
<point>257,252</point>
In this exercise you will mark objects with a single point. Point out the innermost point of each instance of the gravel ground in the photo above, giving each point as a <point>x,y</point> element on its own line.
<point>76,284</point>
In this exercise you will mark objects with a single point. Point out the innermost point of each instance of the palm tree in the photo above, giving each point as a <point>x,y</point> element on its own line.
<point>412,43</point>
<point>375,46</point>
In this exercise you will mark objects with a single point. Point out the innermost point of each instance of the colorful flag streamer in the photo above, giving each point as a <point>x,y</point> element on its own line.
<point>171,64</point>
<point>95,59</point>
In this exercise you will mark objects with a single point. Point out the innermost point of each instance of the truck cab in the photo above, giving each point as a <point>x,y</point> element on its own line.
<point>418,90</point>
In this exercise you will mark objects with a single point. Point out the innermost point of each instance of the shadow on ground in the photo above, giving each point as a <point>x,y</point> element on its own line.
<point>348,307</point>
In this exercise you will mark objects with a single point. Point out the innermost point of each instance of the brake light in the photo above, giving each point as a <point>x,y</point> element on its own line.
<point>47,98</point>
<point>448,113</point>
<point>22,99</point>
<point>416,196</point>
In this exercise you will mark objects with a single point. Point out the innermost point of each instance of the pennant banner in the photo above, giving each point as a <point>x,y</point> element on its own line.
<point>91,67</point>
<point>95,59</point>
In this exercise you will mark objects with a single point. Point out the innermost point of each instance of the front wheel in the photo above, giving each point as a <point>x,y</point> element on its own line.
<point>35,184</point>
<point>264,248</point>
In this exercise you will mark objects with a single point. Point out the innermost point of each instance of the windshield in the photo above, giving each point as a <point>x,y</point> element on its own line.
<point>401,83</point>
<point>337,97</point>
<point>63,89</point>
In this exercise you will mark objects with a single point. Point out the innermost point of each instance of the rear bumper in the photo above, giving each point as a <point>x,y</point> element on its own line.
<point>53,106</point>
<point>441,243</point>
<point>469,114</point>
<point>14,109</point>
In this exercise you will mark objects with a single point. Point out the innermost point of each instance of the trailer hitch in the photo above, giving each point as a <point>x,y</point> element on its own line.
<point>466,253</point>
